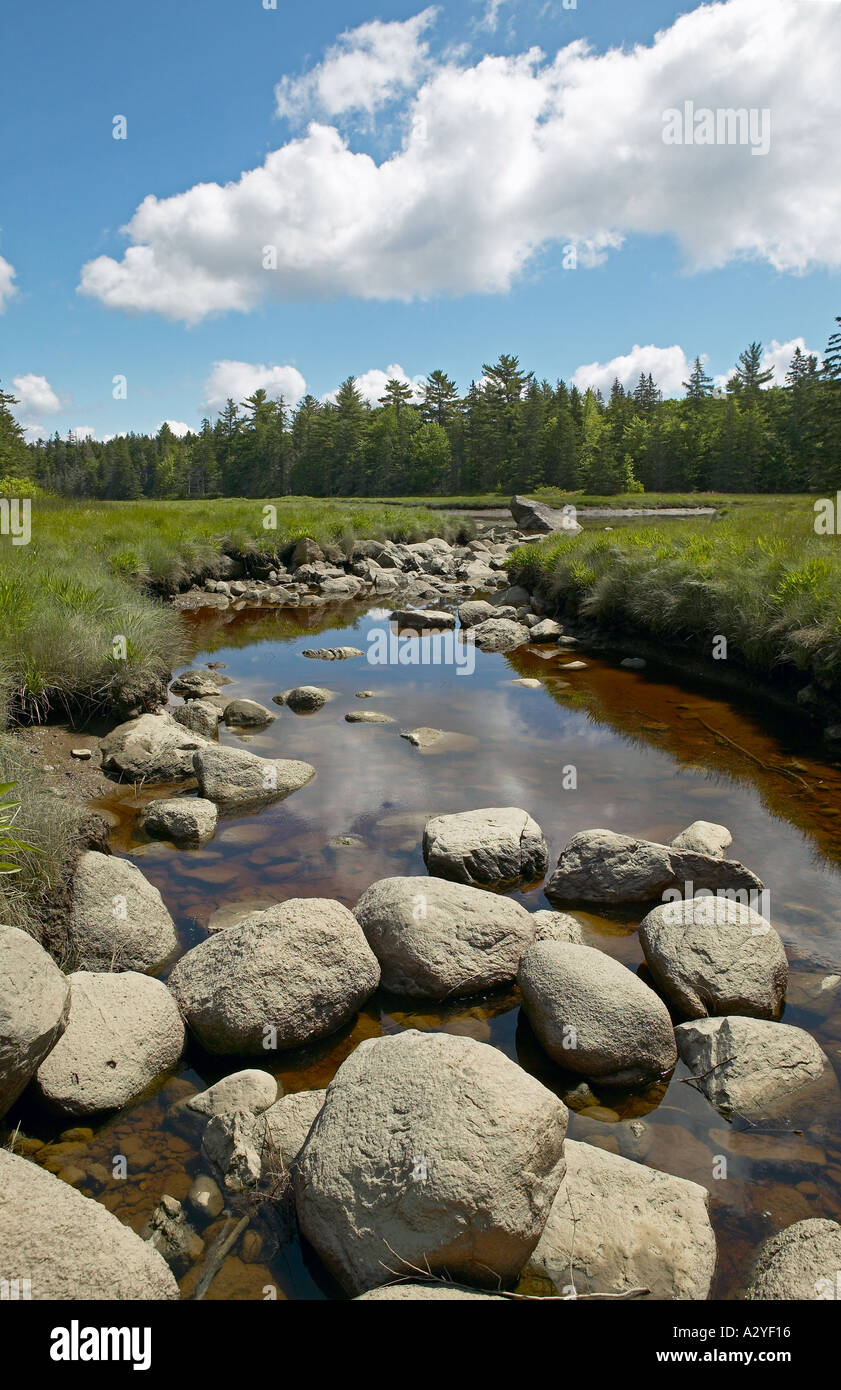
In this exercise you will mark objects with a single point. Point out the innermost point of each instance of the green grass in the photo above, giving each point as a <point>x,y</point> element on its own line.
<point>554,497</point>
<point>760,577</point>
<point>97,572</point>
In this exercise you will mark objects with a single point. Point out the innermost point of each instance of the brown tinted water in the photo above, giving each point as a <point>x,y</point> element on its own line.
<point>650,755</point>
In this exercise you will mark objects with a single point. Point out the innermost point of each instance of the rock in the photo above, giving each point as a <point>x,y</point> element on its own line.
<point>124,1032</point>
<point>205,1197</point>
<point>233,1146</point>
<point>153,748</point>
<point>236,779</point>
<point>499,635</point>
<point>301,969</point>
<point>715,956</point>
<point>500,846</point>
<point>528,683</point>
<point>288,1122</point>
<point>195,684</point>
<point>405,1293</point>
<point>634,663</point>
<point>247,713</point>
<point>556,926</point>
<point>118,919</point>
<point>169,1232</point>
<point>756,1069</point>
<point>81,753</point>
<point>594,1016</point>
<point>180,818</point>
<point>430,1151</point>
<point>704,837</point>
<point>799,1264</point>
<point>368,717</point>
<point>422,738</point>
<point>202,716</point>
<point>601,866</point>
<point>251,1090</point>
<point>332,653</point>
<point>546,631</point>
<point>417,619</point>
<point>476,611</point>
<point>305,552</point>
<point>303,699</point>
<point>69,1246</point>
<point>34,1006</point>
<point>434,938</point>
<point>532,516</point>
<point>616,1225</point>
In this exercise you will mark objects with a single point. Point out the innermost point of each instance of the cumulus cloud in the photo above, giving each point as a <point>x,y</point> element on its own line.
<point>507,156</point>
<point>82,432</point>
<point>32,433</point>
<point>8,289</point>
<point>367,68</point>
<point>777,357</point>
<point>371,384</point>
<point>179,429</point>
<point>668,366</point>
<point>35,393</point>
<point>239,380</point>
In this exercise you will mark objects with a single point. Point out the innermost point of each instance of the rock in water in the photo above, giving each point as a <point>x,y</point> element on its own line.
<point>758,1070</point>
<point>118,920</point>
<point>715,956</point>
<point>202,716</point>
<point>247,714</point>
<point>34,1005</point>
<point>557,926</point>
<point>532,516</point>
<point>800,1263</point>
<point>498,847</point>
<point>332,653</point>
<point>434,1152</point>
<point>303,699</point>
<point>599,866</point>
<point>251,1090</point>
<point>197,683</point>
<point>411,1293</point>
<point>418,619</point>
<point>704,837</point>
<point>434,938</point>
<point>189,820</point>
<point>153,748</point>
<point>123,1032</point>
<point>286,976</point>
<point>616,1225</point>
<point>68,1246</point>
<point>235,779</point>
<point>594,1016</point>
<point>499,635</point>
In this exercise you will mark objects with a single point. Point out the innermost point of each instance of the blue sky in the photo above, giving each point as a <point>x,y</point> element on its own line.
<point>443,249</point>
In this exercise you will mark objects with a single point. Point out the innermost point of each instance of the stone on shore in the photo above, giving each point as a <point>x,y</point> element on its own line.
<point>118,920</point>
<point>34,1007</point>
<point>152,748</point>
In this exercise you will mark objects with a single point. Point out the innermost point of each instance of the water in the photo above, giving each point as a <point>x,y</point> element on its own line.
<point>650,754</point>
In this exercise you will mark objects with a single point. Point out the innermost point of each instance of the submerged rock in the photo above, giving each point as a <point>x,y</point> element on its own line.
<point>500,846</point>
<point>432,1152</point>
<point>283,977</point>
<point>594,1016</point>
<point>332,653</point>
<point>118,920</point>
<point>170,1233</point>
<point>434,938</point>
<point>34,1007</point>
<point>617,1225</point>
<point>69,1246</point>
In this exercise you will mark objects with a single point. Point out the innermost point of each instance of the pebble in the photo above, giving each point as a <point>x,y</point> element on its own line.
<point>82,753</point>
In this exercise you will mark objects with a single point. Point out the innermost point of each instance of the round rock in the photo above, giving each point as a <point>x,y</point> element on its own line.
<point>500,846</point>
<point>235,779</point>
<point>118,920</point>
<point>34,1005</point>
<point>800,1263</point>
<point>189,820</point>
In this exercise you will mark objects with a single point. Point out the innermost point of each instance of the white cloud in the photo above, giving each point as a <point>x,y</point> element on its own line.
<point>179,429</point>
<point>490,17</point>
<point>82,432</point>
<point>777,357</point>
<point>668,366</point>
<point>367,67</point>
<point>508,156</point>
<point>371,384</point>
<point>35,393</point>
<point>32,433</point>
<point>8,289</point>
<point>239,380</point>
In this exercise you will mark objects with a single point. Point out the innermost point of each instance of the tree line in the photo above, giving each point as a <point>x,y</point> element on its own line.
<point>510,432</point>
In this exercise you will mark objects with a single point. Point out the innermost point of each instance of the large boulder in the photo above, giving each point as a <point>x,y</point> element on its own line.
<point>499,635</point>
<point>153,748</point>
<point>70,1247</point>
<point>758,1070</point>
<point>118,920</point>
<point>594,1016</point>
<point>412,1293</point>
<point>715,956</point>
<point>430,1152</point>
<point>282,977</point>
<point>188,820</point>
<point>236,779</point>
<point>704,837</point>
<point>532,516</point>
<point>419,619</point>
<point>435,939</point>
<point>800,1264</point>
<point>34,1004</point>
<point>500,847</point>
<point>123,1033</point>
<point>604,867</point>
<point>247,714</point>
<point>617,1225</point>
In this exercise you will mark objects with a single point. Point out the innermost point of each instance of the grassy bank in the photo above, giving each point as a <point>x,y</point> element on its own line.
<point>93,573</point>
<point>553,497</point>
<point>759,577</point>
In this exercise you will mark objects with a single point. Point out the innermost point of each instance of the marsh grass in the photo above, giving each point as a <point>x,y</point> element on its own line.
<point>760,577</point>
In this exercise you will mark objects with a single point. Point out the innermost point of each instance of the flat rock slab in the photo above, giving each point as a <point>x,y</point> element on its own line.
<point>617,1225</point>
<point>439,740</point>
<point>332,653</point>
<point>368,717</point>
<point>498,846</point>
<point>432,1152</point>
<point>418,619</point>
